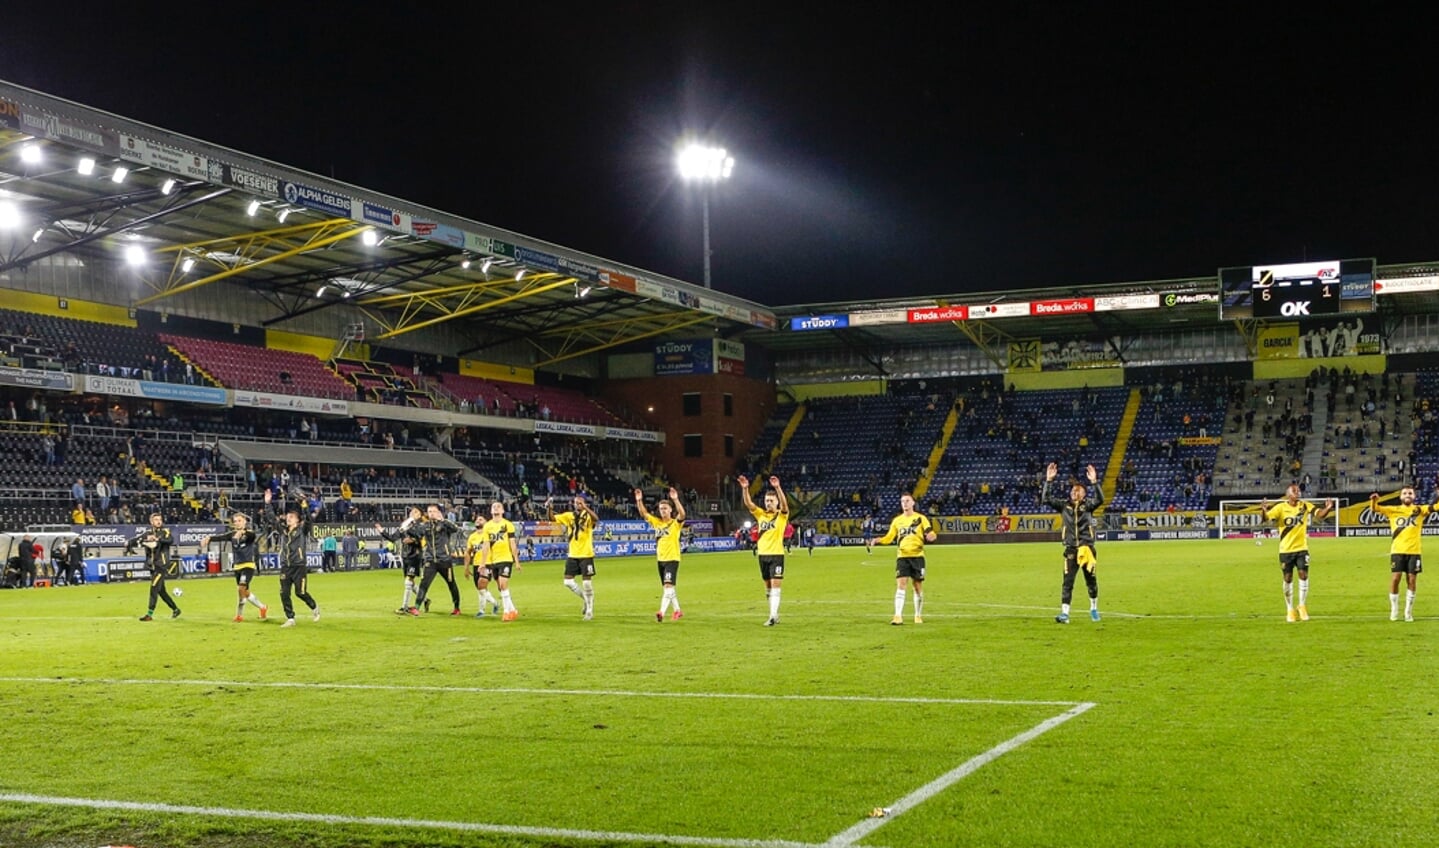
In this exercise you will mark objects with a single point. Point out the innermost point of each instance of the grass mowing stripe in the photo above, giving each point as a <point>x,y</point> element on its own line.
<point>944,781</point>
<point>474,827</point>
<point>480,690</point>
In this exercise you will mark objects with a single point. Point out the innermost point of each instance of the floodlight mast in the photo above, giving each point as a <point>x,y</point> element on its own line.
<point>705,165</point>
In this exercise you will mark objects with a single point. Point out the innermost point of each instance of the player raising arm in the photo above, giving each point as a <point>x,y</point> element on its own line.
<point>668,527</point>
<point>1406,527</point>
<point>769,524</point>
<point>1076,529</point>
<point>1292,517</point>
<point>912,530</point>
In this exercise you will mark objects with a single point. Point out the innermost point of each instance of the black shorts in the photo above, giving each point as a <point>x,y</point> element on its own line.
<point>412,567</point>
<point>1297,559</point>
<point>1405,564</point>
<point>771,567</point>
<point>244,573</point>
<point>911,567</point>
<point>496,570</point>
<point>669,571</point>
<point>576,566</point>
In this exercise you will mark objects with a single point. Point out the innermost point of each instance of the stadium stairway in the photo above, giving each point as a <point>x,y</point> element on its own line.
<point>1314,448</point>
<point>946,432</point>
<point>1121,442</point>
<point>795,419</point>
<point>178,354</point>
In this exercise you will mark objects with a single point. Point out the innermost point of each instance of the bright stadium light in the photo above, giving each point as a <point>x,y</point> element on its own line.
<point>119,174</point>
<point>31,154</point>
<point>9,215</point>
<point>253,208</point>
<point>188,265</point>
<point>485,266</point>
<point>283,214</point>
<point>168,187</point>
<point>707,166</point>
<point>86,166</point>
<point>370,238</point>
<point>135,255</point>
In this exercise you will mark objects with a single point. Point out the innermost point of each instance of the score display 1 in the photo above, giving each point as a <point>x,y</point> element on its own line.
<point>1298,290</point>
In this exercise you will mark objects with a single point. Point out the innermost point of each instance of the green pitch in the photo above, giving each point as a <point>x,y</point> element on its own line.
<point>1191,715</point>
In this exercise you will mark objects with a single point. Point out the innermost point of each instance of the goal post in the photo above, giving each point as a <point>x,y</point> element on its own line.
<point>1242,519</point>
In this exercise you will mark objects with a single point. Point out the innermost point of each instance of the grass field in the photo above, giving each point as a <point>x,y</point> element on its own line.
<point>1192,715</point>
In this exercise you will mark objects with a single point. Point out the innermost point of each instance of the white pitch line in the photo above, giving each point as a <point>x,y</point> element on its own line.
<point>849,837</point>
<point>379,821</point>
<point>479,690</point>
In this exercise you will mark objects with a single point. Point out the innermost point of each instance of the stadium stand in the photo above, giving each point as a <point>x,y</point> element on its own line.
<point>239,366</point>
<point>91,347</point>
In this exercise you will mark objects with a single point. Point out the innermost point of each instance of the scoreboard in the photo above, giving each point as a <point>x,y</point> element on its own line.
<point>1297,291</point>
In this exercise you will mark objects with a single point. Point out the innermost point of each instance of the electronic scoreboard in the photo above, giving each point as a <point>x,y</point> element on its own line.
<point>1297,290</point>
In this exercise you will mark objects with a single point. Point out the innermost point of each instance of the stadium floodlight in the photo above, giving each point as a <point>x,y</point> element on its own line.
<point>135,255</point>
<point>465,263</point>
<point>370,238</point>
<point>485,266</point>
<point>584,291</point>
<point>705,165</point>
<point>321,292</point>
<point>168,187</point>
<point>9,215</point>
<point>283,214</point>
<point>38,233</point>
<point>188,265</point>
<point>119,174</point>
<point>253,208</point>
<point>31,154</point>
<point>86,166</point>
<point>519,275</point>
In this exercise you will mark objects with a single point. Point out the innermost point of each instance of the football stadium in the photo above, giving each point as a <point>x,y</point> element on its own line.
<point>332,519</point>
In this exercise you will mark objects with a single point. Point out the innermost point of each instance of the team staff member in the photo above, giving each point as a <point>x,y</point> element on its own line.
<point>770,524</point>
<point>496,554</point>
<point>436,534</point>
<point>668,528</point>
<point>293,532</point>
<point>156,540</point>
<point>912,530</point>
<point>1293,515</point>
<point>244,546</point>
<point>1406,526</point>
<point>579,527</point>
<point>1077,526</point>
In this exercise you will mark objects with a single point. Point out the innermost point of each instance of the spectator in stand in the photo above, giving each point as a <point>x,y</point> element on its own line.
<point>77,492</point>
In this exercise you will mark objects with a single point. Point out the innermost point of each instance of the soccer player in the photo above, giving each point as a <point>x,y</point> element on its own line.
<point>495,553</point>
<point>294,570</point>
<point>911,529</point>
<point>579,527</point>
<point>411,558</point>
<point>769,524</point>
<point>1292,515</point>
<point>436,534</point>
<point>243,546</point>
<point>1406,526</point>
<point>668,528</point>
<point>156,540</point>
<point>1077,526</point>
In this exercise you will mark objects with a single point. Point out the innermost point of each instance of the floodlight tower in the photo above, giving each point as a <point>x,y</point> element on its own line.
<point>705,165</point>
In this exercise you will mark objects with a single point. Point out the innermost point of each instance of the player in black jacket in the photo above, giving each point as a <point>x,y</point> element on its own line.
<point>1077,526</point>
<point>156,540</point>
<point>244,547</point>
<point>294,532</point>
<point>411,559</point>
<point>437,535</point>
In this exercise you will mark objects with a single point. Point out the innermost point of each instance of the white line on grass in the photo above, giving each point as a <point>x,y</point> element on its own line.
<point>378,821</point>
<point>934,787</point>
<point>618,693</point>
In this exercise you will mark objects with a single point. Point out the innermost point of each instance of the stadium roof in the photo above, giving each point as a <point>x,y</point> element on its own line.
<point>202,214</point>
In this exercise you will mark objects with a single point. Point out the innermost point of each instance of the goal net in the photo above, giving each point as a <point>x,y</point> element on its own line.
<point>1243,519</point>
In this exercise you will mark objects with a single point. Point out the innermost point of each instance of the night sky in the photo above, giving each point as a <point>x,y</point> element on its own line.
<point>879,154</point>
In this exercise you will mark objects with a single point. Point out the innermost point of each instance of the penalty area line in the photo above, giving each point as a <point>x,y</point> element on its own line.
<point>849,837</point>
<point>380,821</point>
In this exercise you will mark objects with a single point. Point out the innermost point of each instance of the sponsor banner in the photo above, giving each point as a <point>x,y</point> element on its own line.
<point>1077,353</point>
<point>9,114</point>
<point>1428,530</point>
<point>1155,535</point>
<point>721,543</point>
<point>252,181</point>
<point>169,159</point>
<point>730,366</point>
<point>1000,310</point>
<point>937,314</point>
<point>372,213</point>
<point>1196,519</point>
<point>726,349</point>
<point>1195,441</point>
<point>691,356</point>
<point>567,428</point>
<point>580,270</point>
<point>536,259</point>
<point>51,127</point>
<point>616,280</point>
<point>1173,299</point>
<point>118,535</point>
<point>36,378</point>
<point>1359,514</point>
<point>1067,306</point>
<point>319,199</point>
<point>633,435</point>
<point>1406,285</point>
<point>502,248</point>
<point>266,400</point>
<point>1024,355</point>
<point>1340,337</point>
<point>437,232</point>
<point>819,322</point>
<point>155,391</point>
<point>1279,341</point>
<point>1121,302</point>
<point>878,316</point>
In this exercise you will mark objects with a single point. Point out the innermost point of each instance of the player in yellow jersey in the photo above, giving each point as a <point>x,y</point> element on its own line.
<point>667,526</point>
<point>769,523</point>
<point>1406,526</point>
<point>911,529</point>
<point>1292,516</point>
<point>579,527</point>
<point>494,553</point>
